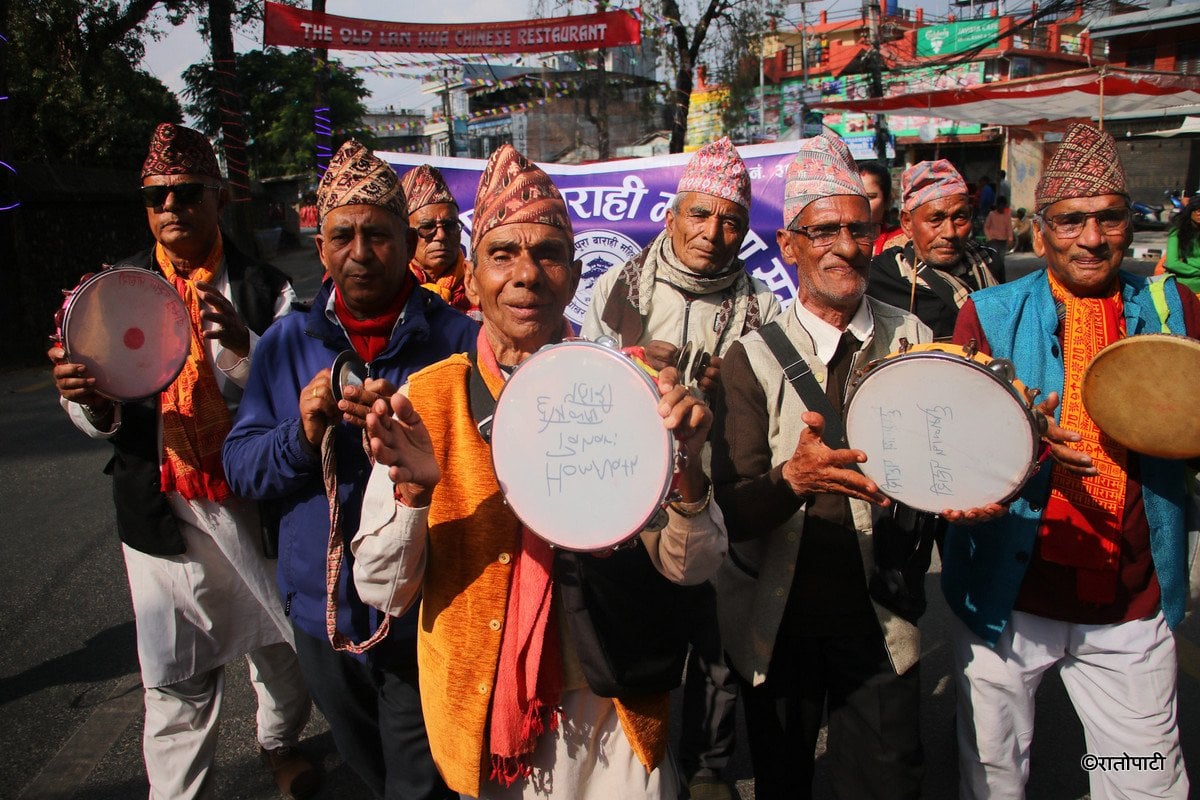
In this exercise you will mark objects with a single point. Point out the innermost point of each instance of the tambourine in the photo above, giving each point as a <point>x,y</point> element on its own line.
<point>129,327</point>
<point>1142,391</point>
<point>348,370</point>
<point>944,427</point>
<point>578,447</point>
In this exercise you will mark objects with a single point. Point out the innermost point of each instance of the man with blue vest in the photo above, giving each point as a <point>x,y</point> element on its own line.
<point>1088,570</point>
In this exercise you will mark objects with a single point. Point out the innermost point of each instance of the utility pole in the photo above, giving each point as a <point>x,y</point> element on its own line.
<point>448,112</point>
<point>875,59</point>
<point>322,122</point>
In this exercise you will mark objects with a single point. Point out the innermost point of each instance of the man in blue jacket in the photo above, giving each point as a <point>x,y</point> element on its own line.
<point>1088,570</point>
<point>295,443</point>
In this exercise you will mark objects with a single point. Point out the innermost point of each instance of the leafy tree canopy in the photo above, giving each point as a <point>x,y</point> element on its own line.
<point>277,96</point>
<point>74,95</point>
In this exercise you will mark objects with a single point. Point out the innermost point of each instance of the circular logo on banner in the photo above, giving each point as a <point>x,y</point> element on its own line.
<point>598,250</point>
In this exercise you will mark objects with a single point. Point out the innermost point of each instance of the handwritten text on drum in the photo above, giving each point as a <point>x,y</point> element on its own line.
<point>941,475</point>
<point>576,449</point>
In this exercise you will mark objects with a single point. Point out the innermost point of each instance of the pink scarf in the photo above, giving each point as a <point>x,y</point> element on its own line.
<point>529,676</point>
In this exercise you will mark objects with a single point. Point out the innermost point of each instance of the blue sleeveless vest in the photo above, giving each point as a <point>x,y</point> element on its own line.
<point>983,565</point>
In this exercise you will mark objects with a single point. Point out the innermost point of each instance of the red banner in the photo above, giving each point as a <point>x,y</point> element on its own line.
<point>294,27</point>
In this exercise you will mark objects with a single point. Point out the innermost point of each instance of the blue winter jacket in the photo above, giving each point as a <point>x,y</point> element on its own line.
<point>983,565</point>
<point>267,459</point>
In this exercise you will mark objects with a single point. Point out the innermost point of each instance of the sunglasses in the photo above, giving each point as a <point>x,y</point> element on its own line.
<point>428,230</point>
<point>187,194</point>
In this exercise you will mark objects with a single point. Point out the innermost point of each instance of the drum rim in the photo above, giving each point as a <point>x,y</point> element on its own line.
<point>69,306</point>
<point>620,358</point>
<point>943,355</point>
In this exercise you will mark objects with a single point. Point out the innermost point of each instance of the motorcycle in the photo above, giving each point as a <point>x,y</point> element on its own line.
<point>1175,197</point>
<point>1147,217</point>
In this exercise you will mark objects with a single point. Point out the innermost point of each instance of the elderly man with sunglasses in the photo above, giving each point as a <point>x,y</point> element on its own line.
<point>1088,571</point>
<point>203,592</point>
<point>800,625</point>
<point>437,260</point>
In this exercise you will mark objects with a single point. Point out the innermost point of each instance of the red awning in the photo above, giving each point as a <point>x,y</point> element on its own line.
<point>1080,94</point>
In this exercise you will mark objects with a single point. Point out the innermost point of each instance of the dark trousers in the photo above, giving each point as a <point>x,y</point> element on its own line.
<point>375,715</point>
<point>874,744</point>
<point>710,690</point>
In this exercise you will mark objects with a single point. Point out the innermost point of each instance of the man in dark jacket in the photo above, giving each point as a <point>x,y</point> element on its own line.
<point>201,588</point>
<point>296,443</point>
<point>941,264</point>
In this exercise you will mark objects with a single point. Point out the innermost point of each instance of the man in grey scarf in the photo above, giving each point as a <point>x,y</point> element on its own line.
<point>688,287</point>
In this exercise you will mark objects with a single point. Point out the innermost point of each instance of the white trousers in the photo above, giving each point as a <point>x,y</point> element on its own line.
<point>182,721</point>
<point>587,757</point>
<point>1121,679</point>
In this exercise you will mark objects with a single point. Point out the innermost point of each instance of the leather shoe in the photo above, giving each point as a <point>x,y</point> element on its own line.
<point>294,774</point>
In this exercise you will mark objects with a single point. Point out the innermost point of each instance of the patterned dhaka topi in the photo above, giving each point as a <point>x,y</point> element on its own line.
<point>176,150</point>
<point>822,168</point>
<point>513,190</point>
<point>929,180</point>
<point>424,186</point>
<point>356,176</point>
<point>1086,164</point>
<point>717,169</point>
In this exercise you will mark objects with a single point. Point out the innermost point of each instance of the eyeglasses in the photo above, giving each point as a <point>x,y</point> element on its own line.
<point>1070,225</point>
<point>428,230</point>
<point>826,235</point>
<point>187,194</point>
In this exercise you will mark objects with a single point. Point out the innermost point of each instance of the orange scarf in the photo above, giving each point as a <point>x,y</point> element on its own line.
<point>195,419</point>
<point>1081,526</point>
<point>449,287</point>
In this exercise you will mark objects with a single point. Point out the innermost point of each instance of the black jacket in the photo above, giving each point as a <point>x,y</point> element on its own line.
<point>144,518</point>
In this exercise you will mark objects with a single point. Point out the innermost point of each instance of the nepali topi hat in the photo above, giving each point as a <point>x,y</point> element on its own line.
<point>176,150</point>
<point>929,180</point>
<point>356,176</point>
<point>1086,164</point>
<point>718,170</point>
<point>822,168</point>
<point>425,186</point>
<point>514,190</point>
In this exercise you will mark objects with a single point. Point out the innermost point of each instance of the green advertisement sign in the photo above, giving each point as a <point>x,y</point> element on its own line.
<point>955,37</point>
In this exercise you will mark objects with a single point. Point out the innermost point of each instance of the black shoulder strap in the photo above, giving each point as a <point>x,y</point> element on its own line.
<point>800,376</point>
<point>483,405</point>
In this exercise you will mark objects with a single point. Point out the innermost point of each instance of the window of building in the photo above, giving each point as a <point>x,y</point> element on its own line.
<point>1140,58</point>
<point>1187,58</point>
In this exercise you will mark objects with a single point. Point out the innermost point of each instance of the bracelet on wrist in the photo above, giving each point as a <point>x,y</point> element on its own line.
<point>695,508</point>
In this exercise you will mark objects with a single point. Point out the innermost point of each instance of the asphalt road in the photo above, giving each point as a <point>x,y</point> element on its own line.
<point>70,699</point>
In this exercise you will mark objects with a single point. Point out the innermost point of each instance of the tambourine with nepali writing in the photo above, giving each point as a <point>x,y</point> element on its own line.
<point>579,448</point>
<point>944,427</point>
<point>129,327</point>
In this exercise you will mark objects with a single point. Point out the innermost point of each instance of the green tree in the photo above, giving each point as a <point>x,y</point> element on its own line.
<point>277,95</point>
<point>718,34</point>
<point>75,94</point>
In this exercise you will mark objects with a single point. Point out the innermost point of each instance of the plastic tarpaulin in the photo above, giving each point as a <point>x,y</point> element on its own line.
<point>1079,94</point>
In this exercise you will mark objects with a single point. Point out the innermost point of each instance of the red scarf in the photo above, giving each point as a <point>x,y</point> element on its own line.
<point>529,675</point>
<point>370,336</point>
